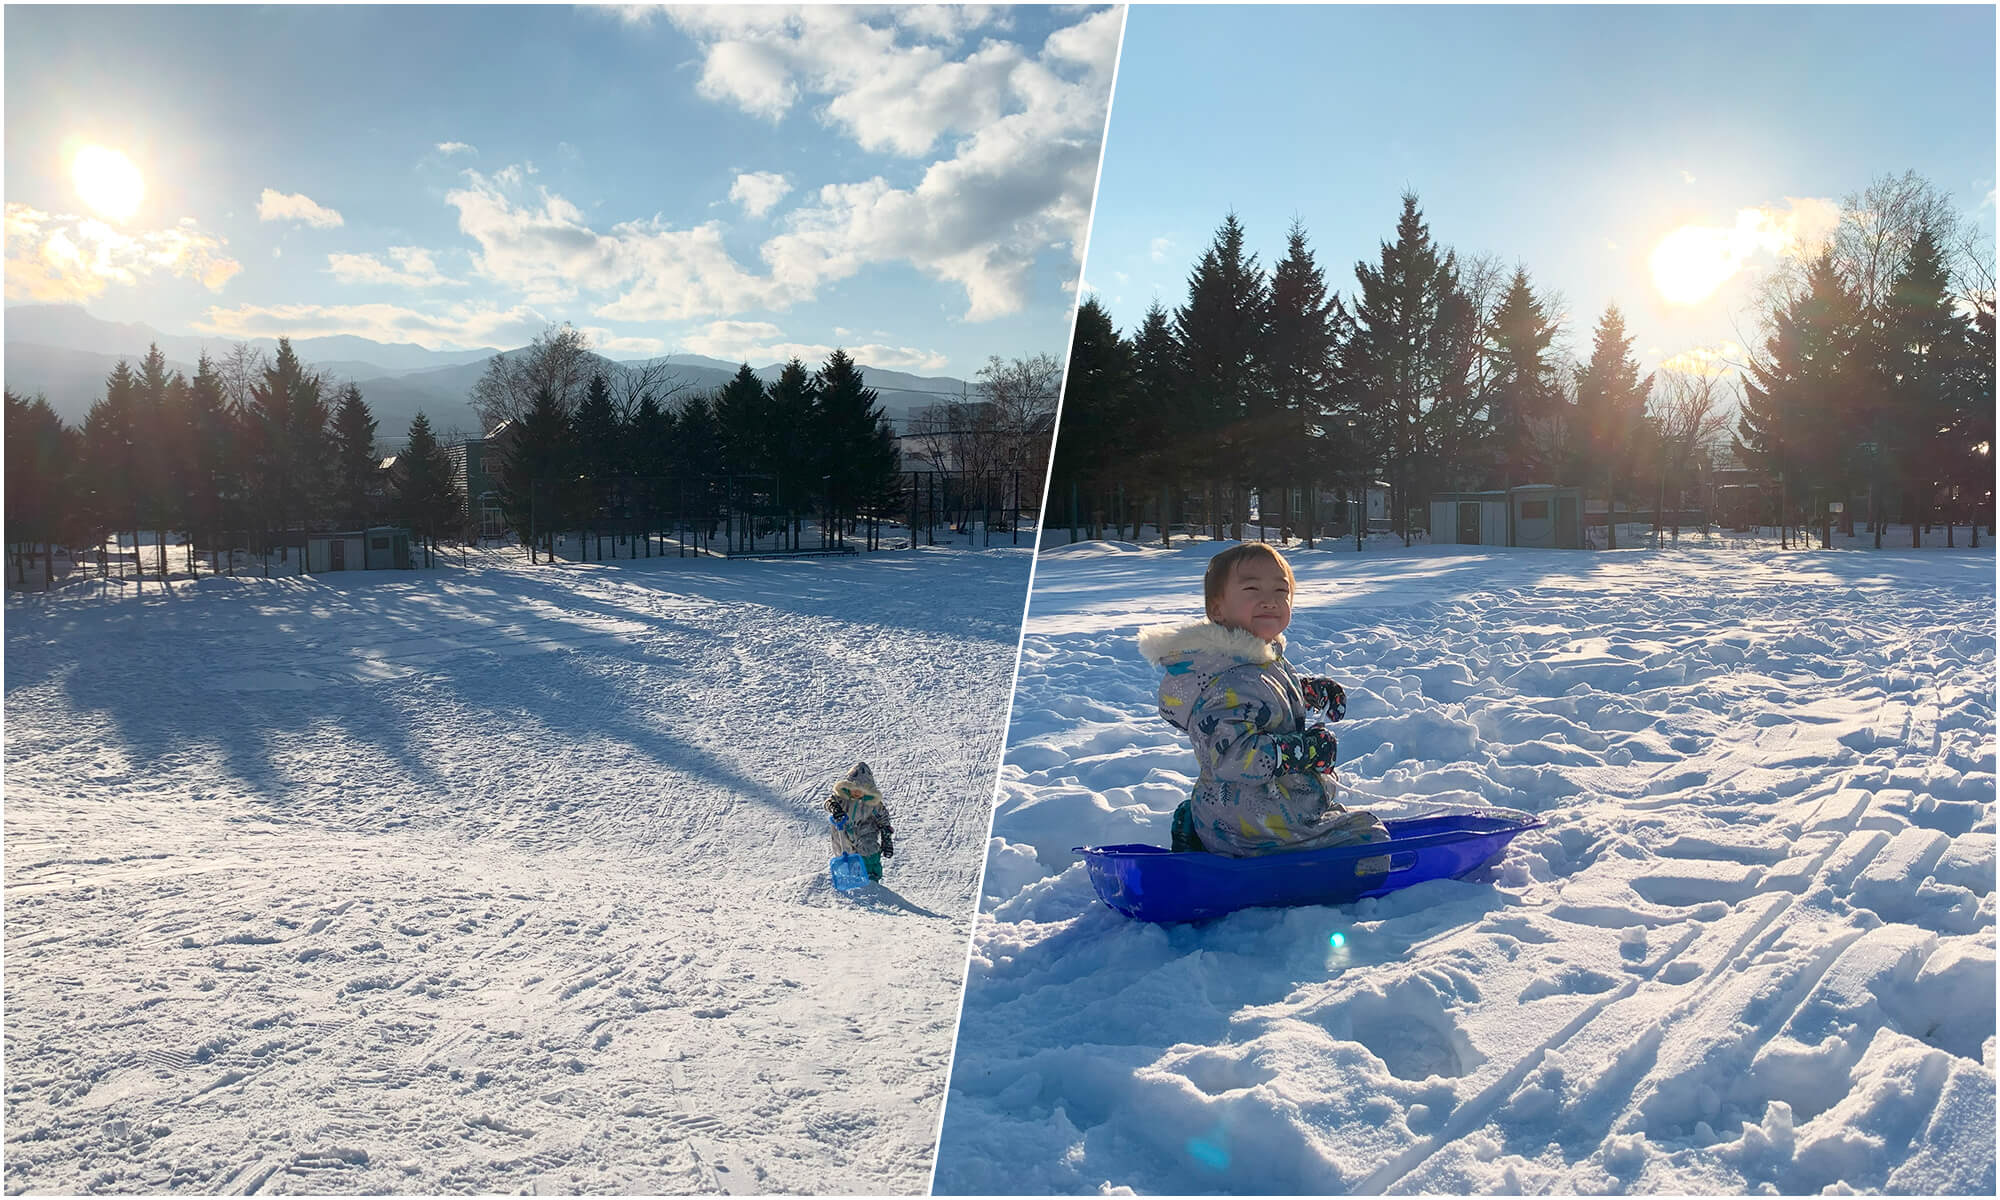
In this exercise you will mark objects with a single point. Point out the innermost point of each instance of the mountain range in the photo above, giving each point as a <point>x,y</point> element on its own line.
<point>64,354</point>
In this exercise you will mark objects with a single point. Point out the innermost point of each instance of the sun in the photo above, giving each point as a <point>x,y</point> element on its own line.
<point>108,182</point>
<point>1692,261</point>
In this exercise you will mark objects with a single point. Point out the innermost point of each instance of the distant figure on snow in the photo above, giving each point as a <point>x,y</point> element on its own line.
<point>861,819</point>
<point>1267,781</point>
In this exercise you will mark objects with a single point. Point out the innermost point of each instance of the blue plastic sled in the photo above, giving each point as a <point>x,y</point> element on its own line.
<point>850,871</point>
<point>1152,884</point>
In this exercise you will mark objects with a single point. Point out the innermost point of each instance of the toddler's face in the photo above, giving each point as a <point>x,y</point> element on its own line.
<point>1257,599</point>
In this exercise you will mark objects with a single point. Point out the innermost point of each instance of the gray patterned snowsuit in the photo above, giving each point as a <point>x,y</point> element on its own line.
<point>1237,698</point>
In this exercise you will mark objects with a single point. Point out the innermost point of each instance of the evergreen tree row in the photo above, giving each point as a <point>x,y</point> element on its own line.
<point>1437,375</point>
<point>806,444</point>
<point>230,458</point>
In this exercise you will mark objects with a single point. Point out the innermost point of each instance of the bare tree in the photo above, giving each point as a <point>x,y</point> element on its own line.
<point>1879,225</point>
<point>240,369</point>
<point>1021,395</point>
<point>636,380</point>
<point>559,360</point>
<point>1690,415</point>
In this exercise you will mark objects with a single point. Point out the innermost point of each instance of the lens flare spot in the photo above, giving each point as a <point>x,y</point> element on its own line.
<point>1337,940</point>
<point>1209,1152</point>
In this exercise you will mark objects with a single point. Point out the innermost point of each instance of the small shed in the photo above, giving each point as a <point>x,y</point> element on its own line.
<point>380,548</point>
<point>1533,515</point>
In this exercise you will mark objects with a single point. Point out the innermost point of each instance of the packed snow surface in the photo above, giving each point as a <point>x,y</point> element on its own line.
<point>496,878</point>
<point>1752,949</point>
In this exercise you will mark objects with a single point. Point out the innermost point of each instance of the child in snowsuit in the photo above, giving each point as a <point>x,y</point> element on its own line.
<point>1267,781</point>
<point>861,820</point>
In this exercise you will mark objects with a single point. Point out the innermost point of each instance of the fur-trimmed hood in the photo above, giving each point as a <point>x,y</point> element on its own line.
<point>1162,642</point>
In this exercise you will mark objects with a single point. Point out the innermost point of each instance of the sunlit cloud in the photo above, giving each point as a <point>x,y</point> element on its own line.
<point>1692,262</point>
<point>65,259</point>
<point>279,206</point>
<point>759,191</point>
<point>458,327</point>
<point>761,343</point>
<point>1687,176</point>
<point>413,267</point>
<point>1024,127</point>
<point>1704,360</point>
<point>1158,248</point>
<point>450,148</point>
<point>604,341</point>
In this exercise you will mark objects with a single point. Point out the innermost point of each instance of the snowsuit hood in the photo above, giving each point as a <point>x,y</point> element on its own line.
<point>1239,701</point>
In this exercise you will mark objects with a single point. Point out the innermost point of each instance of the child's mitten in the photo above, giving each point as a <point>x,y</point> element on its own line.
<point>888,842</point>
<point>838,808</point>
<point>1310,752</point>
<point>1324,694</point>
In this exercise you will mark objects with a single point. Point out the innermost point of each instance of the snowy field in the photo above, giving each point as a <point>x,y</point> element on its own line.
<point>1752,950</point>
<point>498,879</point>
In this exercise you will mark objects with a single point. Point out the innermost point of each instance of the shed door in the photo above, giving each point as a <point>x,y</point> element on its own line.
<point>1468,522</point>
<point>338,548</point>
<point>1566,523</point>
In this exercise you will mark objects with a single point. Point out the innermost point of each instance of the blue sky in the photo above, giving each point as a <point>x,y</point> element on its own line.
<point>1570,140</point>
<point>912,185</point>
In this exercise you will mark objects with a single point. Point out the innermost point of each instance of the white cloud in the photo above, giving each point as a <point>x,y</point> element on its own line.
<point>604,341</point>
<point>760,343</point>
<point>546,250</point>
<point>69,259</point>
<point>278,206</point>
<point>1687,176</point>
<point>1157,249</point>
<point>749,75</point>
<point>759,191</point>
<point>1021,172</point>
<point>413,268</point>
<point>461,326</point>
<point>450,148</point>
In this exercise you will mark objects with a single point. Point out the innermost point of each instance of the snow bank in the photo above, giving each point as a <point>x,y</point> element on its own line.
<point>1753,949</point>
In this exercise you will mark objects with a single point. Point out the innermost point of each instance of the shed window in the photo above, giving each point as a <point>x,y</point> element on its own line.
<point>1534,510</point>
<point>379,544</point>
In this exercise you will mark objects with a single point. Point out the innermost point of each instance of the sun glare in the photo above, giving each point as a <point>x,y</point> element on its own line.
<point>1691,262</point>
<point>108,182</point>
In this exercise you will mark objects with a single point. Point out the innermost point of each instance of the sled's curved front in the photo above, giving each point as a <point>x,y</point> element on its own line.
<point>1153,884</point>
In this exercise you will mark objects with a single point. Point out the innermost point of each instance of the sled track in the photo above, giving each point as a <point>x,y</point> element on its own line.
<point>1482,1108</point>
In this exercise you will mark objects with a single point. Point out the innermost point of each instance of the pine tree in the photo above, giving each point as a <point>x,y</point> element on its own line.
<point>426,499</point>
<point>1221,332</point>
<point>594,434</point>
<point>1405,365</point>
<point>743,424</point>
<point>110,468</point>
<point>40,481</point>
<point>1799,392</point>
<point>153,442</point>
<point>355,461</point>
<point>1092,438</point>
<point>1156,438</point>
<point>214,475</point>
<point>538,465</point>
<point>792,410</point>
<point>291,450</point>
<point>1521,395</point>
<point>857,443</point>
<point>1300,353</point>
<point>1610,407</point>
<point>1922,345</point>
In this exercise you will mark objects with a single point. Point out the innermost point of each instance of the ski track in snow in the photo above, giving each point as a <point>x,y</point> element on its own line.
<point>1752,951</point>
<point>506,879</point>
